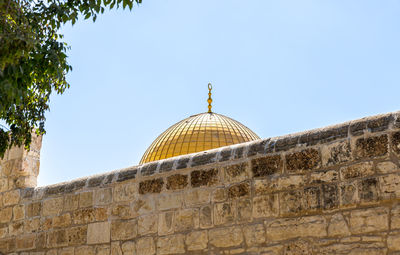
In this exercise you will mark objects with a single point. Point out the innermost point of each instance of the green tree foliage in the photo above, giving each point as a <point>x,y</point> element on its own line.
<point>33,60</point>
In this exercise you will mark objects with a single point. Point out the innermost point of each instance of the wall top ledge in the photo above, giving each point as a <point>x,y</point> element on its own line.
<point>360,127</point>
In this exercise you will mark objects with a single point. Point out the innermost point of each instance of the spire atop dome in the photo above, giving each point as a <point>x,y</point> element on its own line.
<point>209,97</point>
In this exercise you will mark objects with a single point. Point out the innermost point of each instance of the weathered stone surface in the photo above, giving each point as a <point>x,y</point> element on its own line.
<point>390,186</point>
<point>266,166</point>
<point>371,147</point>
<point>5,215</point>
<point>177,181</point>
<point>103,249</point>
<point>368,190</point>
<point>169,201</point>
<point>18,212</point>
<point>307,159</point>
<point>32,225</point>
<point>395,219</point>
<point>123,211</point>
<point>129,248</point>
<point>147,224</point>
<point>144,205</point>
<point>116,248</point>
<point>166,223</point>
<point>298,247</point>
<point>52,206</point>
<point>123,230</point>
<point>338,226</point>
<point>166,166</point>
<point>396,142</point>
<point>327,176</point>
<point>254,234</point>
<point>349,193</point>
<point>204,158</point>
<point>85,199</point>
<point>187,219</point>
<point>204,177</point>
<point>63,220</point>
<point>103,196</point>
<point>244,210</point>
<point>57,238</point>
<point>258,147</point>
<point>125,192</point>
<point>71,202</point>
<point>77,235</point>
<point>151,186</point>
<point>225,154</point>
<point>126,174</point>
<point>149,168</point>
<point>195,197</point>
<point>219,195</point>
<point>357,170</point>
<point>224,213</point>
<point>11,197</point>
<point>196,240</point>
<point>145,246</point>
<point>393,242</point>
<point>173,244</point>
<point>387,167</point>
<point>87,215</point>
<point>369,220</point>
<point>336,153</point>
<point>236,173</point>
<point>330,196</point>
<point>84,250</point>
<point>239,190</point>
<point>226,237</point>
<point>25,242</point>
<point>266,206</point>
<point>206,220</point>
<point>291,202</point>
<point>312,198</point>
<point>98,233</point>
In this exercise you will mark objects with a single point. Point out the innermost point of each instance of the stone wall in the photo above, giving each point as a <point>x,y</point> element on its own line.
<point>327,191</point>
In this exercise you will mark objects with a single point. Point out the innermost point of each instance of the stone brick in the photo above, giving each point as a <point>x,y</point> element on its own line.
<point>57,238</point>
<point>236,173</point>
<point>32,225</point>
<point>204,158</point>
<point>98,232</point>
<point>103,196</point>
<point>286,142</point>
<point>371,147</point>
<point>393,242</point>
<point>71,202</point>
<point>349,193</point>
<point>16,228</point>
<point>149,169</point>
<point>63,220</point>
<point>123,211</point>
<point>77,235</point>
<point>330,196</point>
<point>147,224</point>
<point>206,220</point>
<point>307,159</point>
<point>395,219</point>
<point>52,206</point>
<point>125,192</point>
<point>127,174</point>
<point>357,170</point>
<point>338,226</point>
<point>129,248</point>
<point>369,220</point>
<point>173,244</point>
<point>25,242</point>
<point>151,186</point>
<point>87,215</point>
<point>368,190</point>
<point>103,249</point>
<point>11,197</point>
<point>204,177</point>
<point>266,166</point>
<point>195,197</point>
<point>187,219</point>
<point>336,153</point>
<point>18,212</point>
<point>169,201</point>
<point>312,198</point>
<point>390,186</point>
<point>387,167</point>
<point>166,223</point>
<point>396,142</point>
<point>291,202</point>
<point>219,195</point>
<point>85,199</point>
<point>226,237</point>
<point>177,181</point>
<point>123,230</point>
<point>224,213</point>
<point>166,166</point>
<point>239,190</point>
<point>196,241</point>
<point>254,234</point>
<point>266,206</point>
<point>266,186</point>
<point>84,250</point>
<point>244,210</point>
<point>116,248</point>
<point>144,205</point>
<point>145,246</point>
<point>288,228</point>
<point>298,247</point>
<point>258,147</point>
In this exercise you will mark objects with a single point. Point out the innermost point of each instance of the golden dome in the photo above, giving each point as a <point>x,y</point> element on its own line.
<point>199,132</point>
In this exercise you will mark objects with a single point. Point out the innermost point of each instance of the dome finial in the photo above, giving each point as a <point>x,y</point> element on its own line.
<point>209,97</point>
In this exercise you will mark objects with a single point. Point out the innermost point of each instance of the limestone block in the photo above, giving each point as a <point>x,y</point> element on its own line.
<point>368,190</point>
<point>206,217</point>
<point>369,220</point>
<point>18,212</point>
<point>390,186</point>
<point>3,184</point>
<point>129,248</point>
<point>103,196</point>
<point>266,206</point>
<point>387,167</point>
<point>169,201</point>
<point>147,224</point>
<point>103,250</point>
<point>125,192</point>
<point>239,190</point>
<point>396,143</point>
<point>395,218</point>
<point>71,202</point>
<point>298,247</point>
<point>63,220</point>
<point>287,228</point>
<point>244,210</point>
<point>393,242</point>
<point>166,223</point>
<point>32,225</point>
<point>224,213</point>
<point>123,230</point>
<point>52,206</point>
<point>144,205</point>
<point>115,248</point>
<point>87,215</point>
<point>177,181</point>
<point>291,202</point>
<point>307,159</point>
<point>338,226</point>
<point>77,235</point>
<point>266,166</point>
<point>173,244</point>
<point>371,147</point>
<point>335,153</point>
<point>151,186</point>
<point>25,242</point>
<point>11,197</point>
<point>66,251</point>
<point>84,250</point>
<point>16,228</point>
<point>187,219</point>
<point>254,234</point>
<point>33,209</point>
<point>145,246</point>
<point>86,199</point>
<point>225,237</point>
<point>98,233</point>
<point>123,211</point>
<point>57,238</point>
<point>197,240</point>
<point>349,193</point>
<point>219,195</point>
<point>200,178</point>
<point>6,215</point>
<point>236,173</point>
<point>363,169</point>
<point>267,186</point>
<point>198,196</point>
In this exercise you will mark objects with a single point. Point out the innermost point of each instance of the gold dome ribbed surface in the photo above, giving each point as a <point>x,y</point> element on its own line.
<point>199,132</point>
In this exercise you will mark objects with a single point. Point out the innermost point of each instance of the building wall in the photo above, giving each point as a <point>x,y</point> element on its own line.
<point>334,190</point>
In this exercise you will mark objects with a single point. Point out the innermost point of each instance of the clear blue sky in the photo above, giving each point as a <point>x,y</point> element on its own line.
<point>276,66</point>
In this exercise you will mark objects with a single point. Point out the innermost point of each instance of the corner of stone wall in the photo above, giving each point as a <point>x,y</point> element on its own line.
<point>19,169</point>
